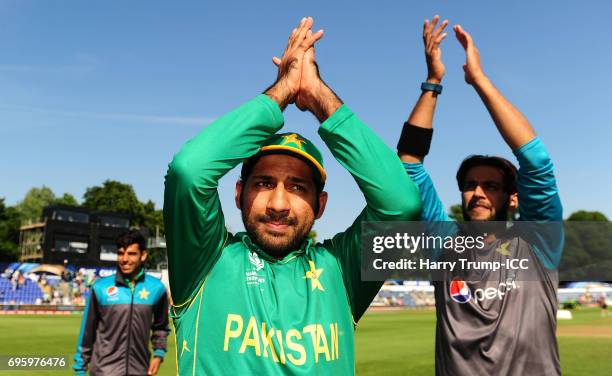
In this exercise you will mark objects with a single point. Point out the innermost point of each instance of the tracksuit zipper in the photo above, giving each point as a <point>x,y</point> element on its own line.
<point>129,332</point>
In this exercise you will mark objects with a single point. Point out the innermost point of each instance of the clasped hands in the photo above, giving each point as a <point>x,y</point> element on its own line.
<point>298,79</point>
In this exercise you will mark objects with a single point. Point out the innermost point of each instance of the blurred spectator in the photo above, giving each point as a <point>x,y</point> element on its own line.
<point>7,273</point>
<point>15,280</point>
<point>603,305</point>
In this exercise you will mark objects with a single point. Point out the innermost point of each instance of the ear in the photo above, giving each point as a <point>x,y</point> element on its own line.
<point>513,201</point>
<point>322,203</point>
<point>143,255</point>
<point>238,193</point>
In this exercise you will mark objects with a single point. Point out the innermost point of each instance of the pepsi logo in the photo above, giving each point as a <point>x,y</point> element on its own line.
<point>459,291</point>
<point>112,291</point>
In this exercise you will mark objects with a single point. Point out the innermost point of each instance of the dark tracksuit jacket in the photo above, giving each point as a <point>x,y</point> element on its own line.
<point>510,332</point>
<point>116,325</point>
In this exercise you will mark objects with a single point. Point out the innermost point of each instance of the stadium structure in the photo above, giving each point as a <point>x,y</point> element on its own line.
<point>61,256</point>
<point>72,235</point>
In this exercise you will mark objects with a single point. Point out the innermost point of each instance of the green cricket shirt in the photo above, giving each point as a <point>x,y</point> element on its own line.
<point>239,311</point>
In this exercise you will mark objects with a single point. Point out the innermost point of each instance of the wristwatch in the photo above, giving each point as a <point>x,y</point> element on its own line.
<point>436,88</point>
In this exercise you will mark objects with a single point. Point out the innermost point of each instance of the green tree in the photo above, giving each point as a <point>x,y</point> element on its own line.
<point>66,199</point>
<point>120,197</point>
<point>113,196</point>
<point>456,212</point>
<point>588,240</point>
<point>313,235</point>
<point>584,215</point>
<point>31,207</point>
<point>152,219</point>
<point>9,232</point>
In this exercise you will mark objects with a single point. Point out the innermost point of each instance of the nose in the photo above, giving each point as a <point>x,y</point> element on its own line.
<point>479,192</point>
<point>279,199</point>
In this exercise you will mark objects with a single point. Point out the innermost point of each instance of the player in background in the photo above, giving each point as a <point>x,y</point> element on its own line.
<point>512,332</point>
<point>269,301</point>
<point>123,312</point>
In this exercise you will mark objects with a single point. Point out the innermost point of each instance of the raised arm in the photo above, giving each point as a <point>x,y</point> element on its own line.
<point>423,111</point>
<point>537,190</point>
<point>538,194</point>
<point>195,227</point>
<point>511,123</point>
<point>416,134</point>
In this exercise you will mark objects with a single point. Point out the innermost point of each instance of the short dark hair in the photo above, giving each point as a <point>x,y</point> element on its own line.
<point>509,171</point>
<point>132,237</point>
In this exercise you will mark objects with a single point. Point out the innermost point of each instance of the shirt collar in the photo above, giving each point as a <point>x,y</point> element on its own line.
<point>122,279</point>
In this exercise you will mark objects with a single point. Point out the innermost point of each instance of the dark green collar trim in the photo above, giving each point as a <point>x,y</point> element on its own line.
<point>120,278</point>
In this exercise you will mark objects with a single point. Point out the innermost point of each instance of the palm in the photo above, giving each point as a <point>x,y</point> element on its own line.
<point>435,66</point>
<point>432,37</point>
<point>472,67</point>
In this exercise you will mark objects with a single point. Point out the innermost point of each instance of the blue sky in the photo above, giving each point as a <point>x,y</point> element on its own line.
<point>111,90</point>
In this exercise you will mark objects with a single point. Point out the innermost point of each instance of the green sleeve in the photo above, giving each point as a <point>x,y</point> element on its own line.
<point>389,193</point>
<point>195,227</point>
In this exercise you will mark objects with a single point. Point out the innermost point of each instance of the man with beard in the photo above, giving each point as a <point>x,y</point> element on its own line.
<point>504,322</point>
<point>270,301</point>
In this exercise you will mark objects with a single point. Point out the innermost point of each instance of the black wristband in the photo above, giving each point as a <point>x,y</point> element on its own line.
<point>415,140</point>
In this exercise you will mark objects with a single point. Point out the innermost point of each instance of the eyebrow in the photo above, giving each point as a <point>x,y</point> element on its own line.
<point>296,179</point>
<point>482,181</point>
<point>293,179</point>
<point>262,177</point>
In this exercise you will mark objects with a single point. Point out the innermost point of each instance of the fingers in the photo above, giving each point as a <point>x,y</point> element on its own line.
<point>432,36</point>
<point>291,35</point>
<point>307,38</point>
<point>463,37</point>
<point>304,26</point>
<point>302,36</point>
<point>429,26</point>
<point>438,36</point>
<point>438,40</point>
<point>301,39</point>
<point>312,38</point>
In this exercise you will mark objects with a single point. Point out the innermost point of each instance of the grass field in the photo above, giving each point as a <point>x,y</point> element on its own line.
<point>387,343</point>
